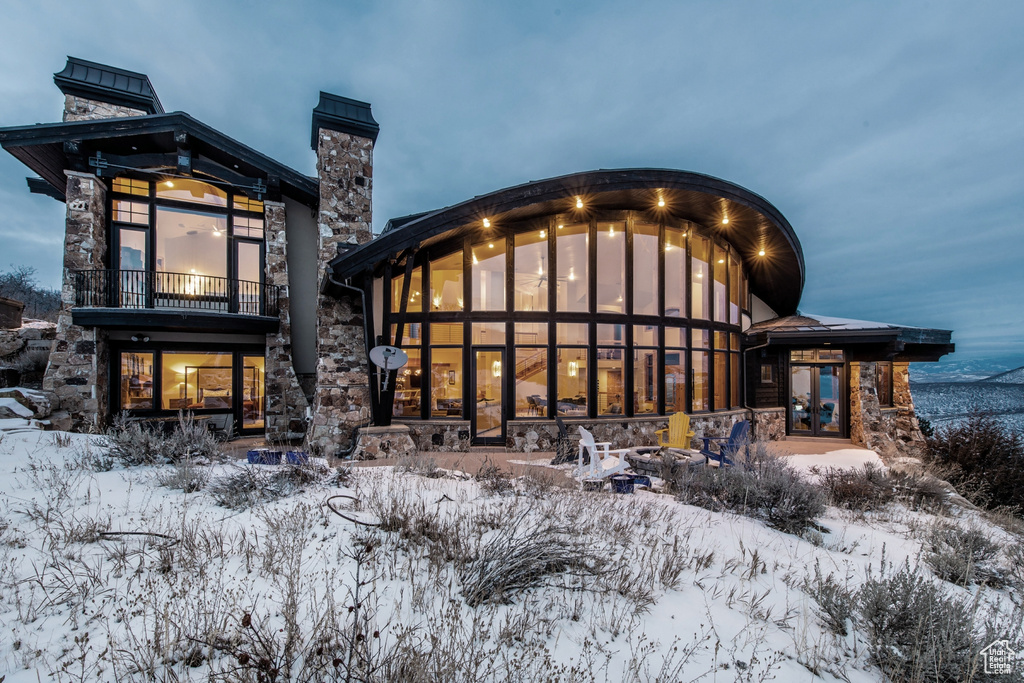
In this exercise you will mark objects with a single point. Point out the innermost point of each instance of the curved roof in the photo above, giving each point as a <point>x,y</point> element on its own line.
<point>754,224</point>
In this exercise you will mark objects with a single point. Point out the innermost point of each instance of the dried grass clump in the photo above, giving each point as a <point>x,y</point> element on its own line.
<point>252,485</point>
<point>523,555</point>
<point>185,475</point>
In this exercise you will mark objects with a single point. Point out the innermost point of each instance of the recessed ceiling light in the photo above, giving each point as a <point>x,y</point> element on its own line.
<point>487,222</point>
<point>725,221</point>
<point>579,203</point>
<point>761,253</point>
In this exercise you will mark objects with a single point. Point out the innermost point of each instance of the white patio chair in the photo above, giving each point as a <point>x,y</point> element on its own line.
<point>600,465</point>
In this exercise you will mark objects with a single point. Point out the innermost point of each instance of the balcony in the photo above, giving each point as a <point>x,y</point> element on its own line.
<point>142,299</point>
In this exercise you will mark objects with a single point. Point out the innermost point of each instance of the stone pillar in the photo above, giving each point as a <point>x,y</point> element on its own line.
<point>341,399</point>
<point>78,368</point>
<point>286,404</point>
<point>891,432</point>
<point>83,109</point>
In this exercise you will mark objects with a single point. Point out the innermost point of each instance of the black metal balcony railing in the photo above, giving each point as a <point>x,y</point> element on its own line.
<point>176,291</point>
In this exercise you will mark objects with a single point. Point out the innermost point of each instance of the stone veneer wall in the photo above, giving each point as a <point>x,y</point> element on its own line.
<point>891,432</point>
<point>78,368</point>
<point>527,436</point>
<point>286,403</point>
<point>341,400</point>
<point>83,109</point>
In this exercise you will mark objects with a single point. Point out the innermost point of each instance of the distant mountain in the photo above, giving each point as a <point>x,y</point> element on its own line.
<point>1015,376</point>
<point>961,370</point>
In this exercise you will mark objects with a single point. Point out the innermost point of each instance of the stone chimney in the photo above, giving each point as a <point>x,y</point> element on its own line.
<point>77,369</point>
<point>97,91</point>
<point>343,135</point>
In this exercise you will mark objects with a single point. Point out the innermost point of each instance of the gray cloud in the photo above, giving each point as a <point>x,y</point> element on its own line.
<point>890,134</point>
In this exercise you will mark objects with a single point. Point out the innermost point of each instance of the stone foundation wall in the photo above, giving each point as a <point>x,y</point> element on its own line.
<point>768,424</point>
<point>891,432</point>
<point>84,109</point>
<point>78,367</point>
<point>441,436</point>
<point>286,403</point>
<point>527,436</point>
<point>341,399</point>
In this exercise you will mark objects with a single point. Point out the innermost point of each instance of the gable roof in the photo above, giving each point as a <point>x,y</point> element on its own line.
<point>44,148</point>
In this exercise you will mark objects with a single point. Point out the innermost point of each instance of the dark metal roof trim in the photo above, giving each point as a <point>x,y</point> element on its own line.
<point>781,280</point>
<point>21,141</point>
<point>108,84</point>
<point>396,223</point>
<point>799,329</point>
<point>40,186</point>
<point>344,115</point>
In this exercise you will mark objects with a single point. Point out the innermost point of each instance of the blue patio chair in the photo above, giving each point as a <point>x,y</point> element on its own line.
<point>728,447</point>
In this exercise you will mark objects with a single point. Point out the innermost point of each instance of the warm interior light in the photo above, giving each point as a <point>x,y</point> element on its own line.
<point>761,253</point>
<point>487,222</point>
<point>496,368</point>
<point>700,274</point>
<point>491,245</point>
<point>192,270</point>
<point>725,221</point>
<point>721,260</point>
<point>169,184</point>
<point>540,269</point>
<point>573,368</point>
<point>437,301</point>
<point>474,258</point>
<point>579,203</point>
<point>560,227</point>
<point>543,234</point>
<point>572,275</point>
<point>611,229</point>
<point>661,201</point>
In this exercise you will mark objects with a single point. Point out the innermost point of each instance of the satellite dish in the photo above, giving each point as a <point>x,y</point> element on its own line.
<point>389,358</point>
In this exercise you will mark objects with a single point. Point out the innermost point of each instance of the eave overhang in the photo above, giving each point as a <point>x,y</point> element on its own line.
<point>754,224</point>
<point>173,321</point>
<point>49,149</point>
<point>901,342</point>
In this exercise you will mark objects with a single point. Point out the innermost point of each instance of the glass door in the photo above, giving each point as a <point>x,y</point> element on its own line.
<point>487,416</point>
<point>132,261</point>
<point>249,273</point>
<point>829,400</point>
<point>816,400</point>
<point>253,392</point>
<point>801,400</point>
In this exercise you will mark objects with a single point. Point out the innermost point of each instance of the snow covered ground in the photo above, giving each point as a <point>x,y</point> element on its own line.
<point>108,575</point>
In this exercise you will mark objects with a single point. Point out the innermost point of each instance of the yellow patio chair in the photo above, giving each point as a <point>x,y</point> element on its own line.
<point>678,434</point>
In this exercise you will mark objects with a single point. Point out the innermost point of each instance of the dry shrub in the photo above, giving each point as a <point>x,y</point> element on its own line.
<point>961,555</point>
<point>983,459</point>
<point>493,480</point>
<point>836,601</point>
<point>185,475</point>
<point>873,488</point>
<point>916,632</point>
<point>132,442</point>
<point>768,488</point>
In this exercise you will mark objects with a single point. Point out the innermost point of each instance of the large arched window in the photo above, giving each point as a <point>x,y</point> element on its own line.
<point>620,314</point>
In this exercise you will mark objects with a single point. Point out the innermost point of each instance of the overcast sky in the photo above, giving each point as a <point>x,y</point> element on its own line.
<point>890,134</point>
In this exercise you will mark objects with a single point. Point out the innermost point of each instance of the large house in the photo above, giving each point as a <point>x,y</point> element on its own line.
<point>202,275</point>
